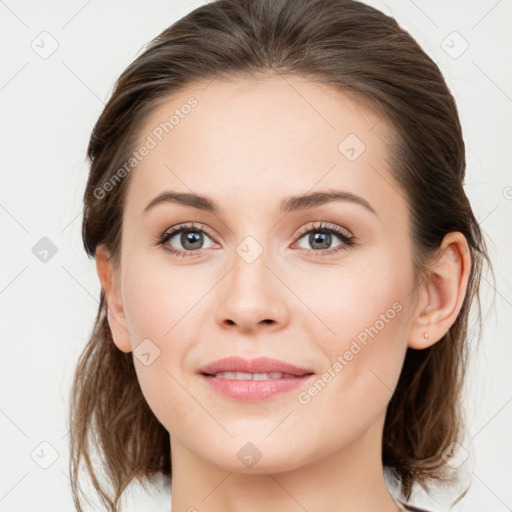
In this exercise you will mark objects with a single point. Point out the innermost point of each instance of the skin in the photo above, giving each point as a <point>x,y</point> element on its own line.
<point>248,144</point>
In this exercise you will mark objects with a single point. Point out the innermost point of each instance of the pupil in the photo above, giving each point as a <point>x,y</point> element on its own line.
<point>323,238</point>
<point>193,237</point>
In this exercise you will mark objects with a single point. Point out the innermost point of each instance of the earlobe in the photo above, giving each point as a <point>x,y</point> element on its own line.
<point>443,292</point>
<point>115,313</point>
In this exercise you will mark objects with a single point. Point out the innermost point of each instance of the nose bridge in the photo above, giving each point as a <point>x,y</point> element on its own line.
<point>250,274</point>
<point>251,293</point>
<point>252,252</point>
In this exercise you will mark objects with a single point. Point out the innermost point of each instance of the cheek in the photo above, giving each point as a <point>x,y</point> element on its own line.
<point>364,361</point>
<point>360,299</point>
<point>366,314</point>
<point>159,299</point>
<point>161,304</point>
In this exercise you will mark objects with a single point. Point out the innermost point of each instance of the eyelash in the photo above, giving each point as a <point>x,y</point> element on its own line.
<point>347,239</point>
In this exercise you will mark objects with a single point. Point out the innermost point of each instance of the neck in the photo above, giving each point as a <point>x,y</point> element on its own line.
<point>349,480</point>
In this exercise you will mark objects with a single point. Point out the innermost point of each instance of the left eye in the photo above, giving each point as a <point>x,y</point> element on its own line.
<point>322,237</point>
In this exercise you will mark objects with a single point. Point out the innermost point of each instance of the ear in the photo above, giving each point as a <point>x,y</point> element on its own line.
<point>109,282</point>
<point>443,291</point>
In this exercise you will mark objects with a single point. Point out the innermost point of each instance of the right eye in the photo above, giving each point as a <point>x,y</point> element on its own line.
<point>191,239</point>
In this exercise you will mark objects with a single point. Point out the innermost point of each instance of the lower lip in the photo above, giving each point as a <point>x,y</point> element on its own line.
<point>255,390</point>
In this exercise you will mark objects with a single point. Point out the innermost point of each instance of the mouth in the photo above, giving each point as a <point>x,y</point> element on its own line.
<point>253,380</point>
<point>254,376</point>
<point>261,367</point>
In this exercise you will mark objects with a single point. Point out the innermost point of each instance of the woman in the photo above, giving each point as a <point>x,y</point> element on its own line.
<point>287,258</point>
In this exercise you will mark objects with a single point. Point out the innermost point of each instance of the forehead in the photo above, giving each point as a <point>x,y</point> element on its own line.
<point>260,137</point>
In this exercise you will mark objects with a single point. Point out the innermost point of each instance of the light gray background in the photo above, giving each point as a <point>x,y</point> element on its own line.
<point>48,107</point>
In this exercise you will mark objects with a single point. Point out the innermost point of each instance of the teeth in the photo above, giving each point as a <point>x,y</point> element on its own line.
<point>253,376</point>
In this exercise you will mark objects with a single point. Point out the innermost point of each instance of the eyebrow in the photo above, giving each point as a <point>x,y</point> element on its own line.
<point>289,204</point>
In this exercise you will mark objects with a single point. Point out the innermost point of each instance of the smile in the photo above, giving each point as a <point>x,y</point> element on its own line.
<point>254,387</point>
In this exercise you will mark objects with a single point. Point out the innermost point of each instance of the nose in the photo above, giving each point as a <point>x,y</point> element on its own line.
<point>251,296</point>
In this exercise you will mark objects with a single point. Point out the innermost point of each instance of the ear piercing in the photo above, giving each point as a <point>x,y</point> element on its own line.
<point>426,310</point>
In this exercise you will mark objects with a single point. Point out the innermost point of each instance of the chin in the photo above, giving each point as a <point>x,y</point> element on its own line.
<point>248,457</point>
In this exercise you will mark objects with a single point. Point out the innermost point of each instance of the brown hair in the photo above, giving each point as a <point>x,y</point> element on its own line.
<point>364,53</point>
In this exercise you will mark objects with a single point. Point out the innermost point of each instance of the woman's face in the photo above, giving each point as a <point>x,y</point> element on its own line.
<point>258,274</point>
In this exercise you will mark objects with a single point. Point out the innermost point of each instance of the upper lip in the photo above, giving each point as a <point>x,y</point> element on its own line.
<point>258,365</point>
